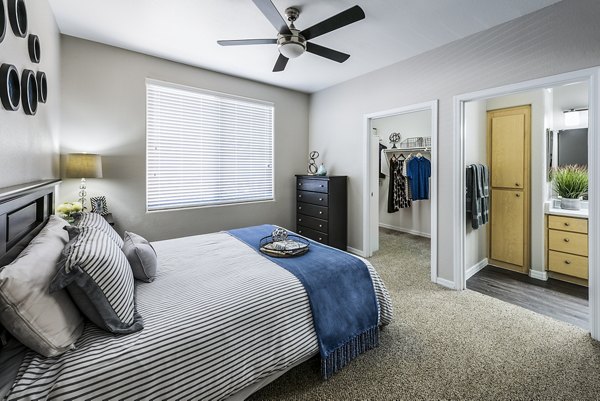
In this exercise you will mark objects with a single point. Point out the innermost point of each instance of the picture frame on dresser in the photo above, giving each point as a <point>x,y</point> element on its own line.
<point>322,209</point>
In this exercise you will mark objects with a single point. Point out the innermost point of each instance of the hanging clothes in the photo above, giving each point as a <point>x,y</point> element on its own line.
<point>397,194</point>
<point>419,171</point>
<point>382,147</point>
<point>478,195</point>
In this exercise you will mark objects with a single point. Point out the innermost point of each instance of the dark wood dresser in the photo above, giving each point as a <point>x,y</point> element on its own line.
<point>322,209</point>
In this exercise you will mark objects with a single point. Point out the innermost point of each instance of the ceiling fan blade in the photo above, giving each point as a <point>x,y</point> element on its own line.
<point>342,19</point>
<point>270,11</point>
<point>326,52</point>
<point>242,42</point>
<point>280,63</point>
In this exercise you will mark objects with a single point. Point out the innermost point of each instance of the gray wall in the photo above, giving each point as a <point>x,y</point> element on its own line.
<point>29,144</point>
<point>560,38</point>
<point>104,111</point>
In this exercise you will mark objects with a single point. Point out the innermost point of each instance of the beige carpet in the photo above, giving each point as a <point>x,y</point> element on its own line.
<point>445,344</point>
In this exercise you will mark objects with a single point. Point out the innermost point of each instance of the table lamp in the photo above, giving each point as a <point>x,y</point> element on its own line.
<point>83,165</point>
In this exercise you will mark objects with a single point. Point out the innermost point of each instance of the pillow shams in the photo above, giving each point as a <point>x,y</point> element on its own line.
<point>96,273</point>
<point>98,222</point>
<point>48,323</point>
<point>141,255</point>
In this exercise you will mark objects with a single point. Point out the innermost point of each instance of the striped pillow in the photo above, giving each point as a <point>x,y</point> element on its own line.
<point>99,279</point>
<point>98,222</point>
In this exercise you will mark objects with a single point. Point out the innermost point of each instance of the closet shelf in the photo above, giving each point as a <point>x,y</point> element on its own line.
<point>418,149</point>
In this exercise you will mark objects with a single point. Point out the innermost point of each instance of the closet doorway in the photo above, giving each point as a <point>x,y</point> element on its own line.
<point>400,184</point>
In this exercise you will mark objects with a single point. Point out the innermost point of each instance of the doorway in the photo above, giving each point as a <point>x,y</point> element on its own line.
<point>464,266</point>
<point>417,129</point>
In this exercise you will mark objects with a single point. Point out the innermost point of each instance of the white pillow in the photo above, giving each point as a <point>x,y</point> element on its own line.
<point>47,323</point>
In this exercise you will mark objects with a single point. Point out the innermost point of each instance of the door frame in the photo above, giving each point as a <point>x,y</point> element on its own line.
<point>368,182</point>
<point>592,77</point>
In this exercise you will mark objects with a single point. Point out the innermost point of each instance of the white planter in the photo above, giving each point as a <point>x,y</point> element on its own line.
<point>570,204</point>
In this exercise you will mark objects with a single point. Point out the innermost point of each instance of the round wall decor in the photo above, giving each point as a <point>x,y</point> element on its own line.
<point>17,14</point>
<point>10,91</point>
<point>29,92</point>
<point>2,21</point>
<point>33,44</point>
<point>42,85</point>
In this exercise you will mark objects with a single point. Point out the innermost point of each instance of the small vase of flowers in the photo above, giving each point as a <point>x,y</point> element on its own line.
<point>69,210</point>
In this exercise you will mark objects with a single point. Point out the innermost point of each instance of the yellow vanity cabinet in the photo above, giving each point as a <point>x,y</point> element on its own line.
<point>567,247</point>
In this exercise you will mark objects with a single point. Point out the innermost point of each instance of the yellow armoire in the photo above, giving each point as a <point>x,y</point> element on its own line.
<point>509,149</point>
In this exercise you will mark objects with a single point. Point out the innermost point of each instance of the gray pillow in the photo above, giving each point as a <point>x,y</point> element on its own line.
<point>98,222</point>
<point>48,323</point>
<point>96,273</point>
<point>141,256</point>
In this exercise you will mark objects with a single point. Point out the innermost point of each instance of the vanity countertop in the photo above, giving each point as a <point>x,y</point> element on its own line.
<point>582,214</point>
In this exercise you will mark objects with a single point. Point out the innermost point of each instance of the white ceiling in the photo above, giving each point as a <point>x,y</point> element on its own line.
<point>186,31</point>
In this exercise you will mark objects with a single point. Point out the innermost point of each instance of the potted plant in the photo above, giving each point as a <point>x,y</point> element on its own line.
<point>570,183</point>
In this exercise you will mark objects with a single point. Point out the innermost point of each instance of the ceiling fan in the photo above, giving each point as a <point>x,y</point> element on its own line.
<point>292,42</point>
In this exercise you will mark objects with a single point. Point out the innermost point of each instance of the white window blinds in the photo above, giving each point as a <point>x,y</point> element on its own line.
<point>206,148</point>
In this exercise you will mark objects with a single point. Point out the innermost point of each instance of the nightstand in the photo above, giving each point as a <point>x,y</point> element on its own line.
<point>109,219</point>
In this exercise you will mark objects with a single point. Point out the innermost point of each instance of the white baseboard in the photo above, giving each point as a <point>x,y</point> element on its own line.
<point>445,283</point>
<point>473,270</point>
<point>356,251</point>
<point>539,275</point>
<point>404,230</point>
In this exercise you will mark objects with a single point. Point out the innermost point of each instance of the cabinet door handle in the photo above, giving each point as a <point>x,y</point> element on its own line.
<point>518,195</point>
<point>516,184</point>
<point>567,224</point>
<point>567,240</point>
<point>567,262</point>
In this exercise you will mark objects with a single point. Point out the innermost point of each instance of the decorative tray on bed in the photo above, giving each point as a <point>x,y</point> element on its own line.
<point>283,245</point>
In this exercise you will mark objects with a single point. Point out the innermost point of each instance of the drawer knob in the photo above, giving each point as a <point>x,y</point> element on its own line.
<point>320,239</point>
<point>299,196</point>
<point>516,184</point>
<point>320,225</point>
<point>320,212</point>
<point>567,224</point>
<point>299,219</point>
<point>567,240</point>
<point>518,195</point>
<point>567,262</point>
<point>299,184</point>
<point>299,207</point>
<point>322,185</point>
<point>320,199</point>
<point>299,231</point>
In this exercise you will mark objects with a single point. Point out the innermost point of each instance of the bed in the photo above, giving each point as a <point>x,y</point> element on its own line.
<point>220,322</point>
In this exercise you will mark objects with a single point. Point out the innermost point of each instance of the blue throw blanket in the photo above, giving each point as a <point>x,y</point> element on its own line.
<point>341,296</point>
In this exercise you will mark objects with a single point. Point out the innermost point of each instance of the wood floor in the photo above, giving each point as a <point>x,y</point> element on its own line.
<point>554,298</point>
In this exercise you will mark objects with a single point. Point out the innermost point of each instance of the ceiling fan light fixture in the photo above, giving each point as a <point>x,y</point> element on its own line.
<point>291,46</point>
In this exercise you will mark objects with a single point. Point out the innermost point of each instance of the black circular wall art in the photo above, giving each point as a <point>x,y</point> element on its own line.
<point>10,91</point>
<point>33,45</point>
<point>29,92</point>
<point>2,21</point>
<point>42,86</point>
<point>17,14</point>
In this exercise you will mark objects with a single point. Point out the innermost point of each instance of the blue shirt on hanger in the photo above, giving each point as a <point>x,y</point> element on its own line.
<point>419,171</point>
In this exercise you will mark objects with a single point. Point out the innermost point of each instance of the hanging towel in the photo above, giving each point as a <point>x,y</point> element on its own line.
<point>485,200</point>
<point>478,193</point>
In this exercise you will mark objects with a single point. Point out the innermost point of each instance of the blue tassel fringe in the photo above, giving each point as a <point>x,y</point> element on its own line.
<point>342,355</point>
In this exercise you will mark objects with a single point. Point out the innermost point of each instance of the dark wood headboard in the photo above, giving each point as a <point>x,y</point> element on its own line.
<point>24,211</point>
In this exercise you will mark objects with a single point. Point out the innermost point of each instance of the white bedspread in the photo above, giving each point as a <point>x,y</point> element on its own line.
<point>218,318</point>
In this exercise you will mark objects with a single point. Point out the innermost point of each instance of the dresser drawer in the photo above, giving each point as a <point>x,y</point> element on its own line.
<point>568,242</point>
<point>564,263</point>
<point>320,212</point>
<point>314,223</point>
<point>313,234</point>
<point>316,198</point>
<point>315,185</point>
<point>568,224</point>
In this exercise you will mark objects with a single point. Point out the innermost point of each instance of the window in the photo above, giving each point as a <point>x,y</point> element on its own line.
<point>206,148</point>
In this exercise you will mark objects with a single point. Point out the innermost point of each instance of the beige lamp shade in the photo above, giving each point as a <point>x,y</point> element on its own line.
<point>83,165</point>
